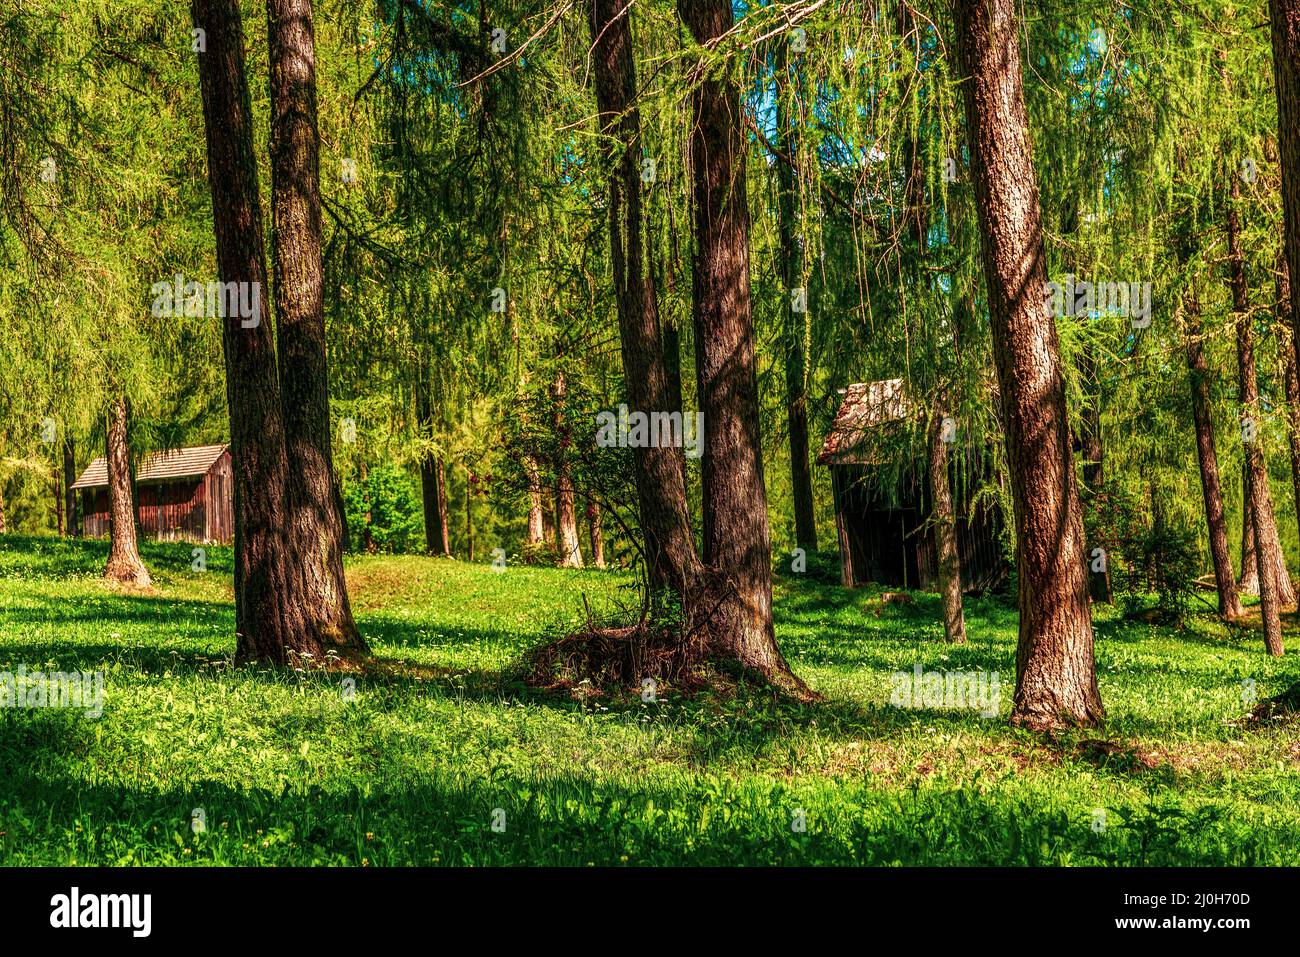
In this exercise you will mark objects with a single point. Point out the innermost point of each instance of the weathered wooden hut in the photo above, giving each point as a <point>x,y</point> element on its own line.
<point>883,522</point>
<point>183,494</point>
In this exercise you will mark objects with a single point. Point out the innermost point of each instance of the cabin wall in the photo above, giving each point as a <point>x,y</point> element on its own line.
<point>94,512</point>
<point>889,543</point>
<point>193,509</point>
<point>171,511</point>
<point>218,492</point>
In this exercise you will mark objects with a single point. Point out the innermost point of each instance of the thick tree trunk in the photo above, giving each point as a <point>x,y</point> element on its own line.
<point>70,523</point>
<point>124,563</point>
<point>1207,457</point>
<point>597,536</point>
<point>792,268</point>
<point>736,537</point>
<point>1056,677</point>
<point>671,561</point>
<point>433,489</point>
<point>316,527</point>
<point>945,534</point>
<point>272,621</point>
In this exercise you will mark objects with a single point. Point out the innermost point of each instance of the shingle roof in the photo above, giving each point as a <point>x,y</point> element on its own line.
<point>866,406</point>
<point>158,466</point>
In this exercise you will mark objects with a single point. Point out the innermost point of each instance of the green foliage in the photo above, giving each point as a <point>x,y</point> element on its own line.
<point>385,504</point>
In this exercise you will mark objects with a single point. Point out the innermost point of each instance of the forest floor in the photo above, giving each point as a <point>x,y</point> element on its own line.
<point>419,761</point>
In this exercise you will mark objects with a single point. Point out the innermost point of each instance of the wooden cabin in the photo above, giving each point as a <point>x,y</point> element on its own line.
<point>883,521</point>
<point>185,494</point>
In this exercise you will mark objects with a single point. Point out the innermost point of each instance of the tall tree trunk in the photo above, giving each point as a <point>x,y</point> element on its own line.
<point>1284,16</point>
<point>57,482</point>
<point>433,493</point>
<point>1290,374</point>
<point>469,515</point>
<point>597,536</point>
<point>70,522</point>
<point>1056,677</point>
<point>1274,581</point>
<point>793,246</point>
<point>736,538</point>
<point>1094,478</point>
<point>1207,457</point>
<point>945,534</point>
<point>568,544</point>
<point>943,514</point>
<point>433,485</point>
<point>1248,582</point>
<point>671,561</point>
<point>536,516</point>
<point>124,563</point>
<point>272,622</point>
<point>316,526</point>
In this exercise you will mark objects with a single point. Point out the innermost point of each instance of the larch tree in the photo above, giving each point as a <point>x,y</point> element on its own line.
<point>124,562</point>
<point>315,524</point>
<point>1056,677</point>
<point>272,622</point>
<point>736,537</point>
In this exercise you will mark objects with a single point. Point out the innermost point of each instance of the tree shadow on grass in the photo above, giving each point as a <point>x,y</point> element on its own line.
<point>53,817</point>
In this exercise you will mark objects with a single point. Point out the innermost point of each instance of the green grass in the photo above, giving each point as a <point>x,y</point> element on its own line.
<point>411,769</point>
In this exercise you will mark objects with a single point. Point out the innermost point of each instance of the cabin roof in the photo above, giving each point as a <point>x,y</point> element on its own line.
<point>158,466</point>
<point>866,407</point>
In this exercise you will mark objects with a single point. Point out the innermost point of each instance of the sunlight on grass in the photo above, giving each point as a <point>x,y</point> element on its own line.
<point>294,768</point>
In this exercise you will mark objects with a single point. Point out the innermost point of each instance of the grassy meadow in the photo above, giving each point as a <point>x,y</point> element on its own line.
<point>441,755</point>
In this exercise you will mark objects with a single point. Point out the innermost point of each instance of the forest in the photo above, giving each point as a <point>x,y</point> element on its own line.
<point>649,432</point>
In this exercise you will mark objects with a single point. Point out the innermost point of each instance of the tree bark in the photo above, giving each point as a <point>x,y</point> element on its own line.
<point>671,561</point>
<point>1284,17</point>
<point>945,535</point>
<point>433,484</point>
<point>315,530</point>
<point>1248,582</point>
<point>792,267</point>
<point>1274,582</point>
<point>1290,375</point>
<point>736,537</point>
<point>469,514</point>
<point>1056,678</point>
<point>70,522</point>
<point>1259,501</point>
<point>536,517</point>
<point>568,544</point>
<point>1207,457</point>
<point>124,563</point>
<point>597,536</point>
<point>272,621</point>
